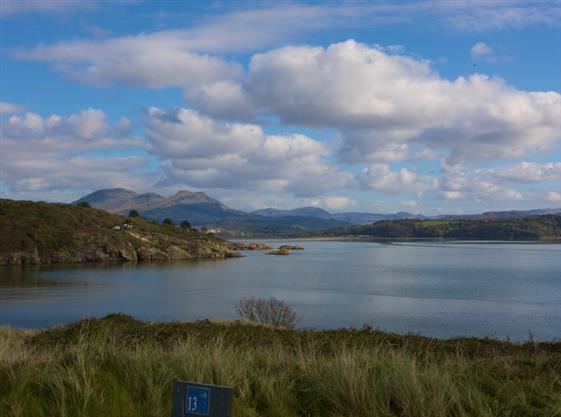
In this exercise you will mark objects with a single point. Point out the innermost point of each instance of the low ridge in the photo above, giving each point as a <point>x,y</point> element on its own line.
<point>35,233</point>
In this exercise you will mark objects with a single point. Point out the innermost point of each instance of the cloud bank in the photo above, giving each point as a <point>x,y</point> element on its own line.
<point>58,153</point>
<point>382,106</point>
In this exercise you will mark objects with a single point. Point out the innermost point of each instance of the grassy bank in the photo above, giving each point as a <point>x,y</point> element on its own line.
<point>122,367</point>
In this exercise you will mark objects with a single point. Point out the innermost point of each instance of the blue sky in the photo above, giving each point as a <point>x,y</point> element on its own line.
<point>429,107</point>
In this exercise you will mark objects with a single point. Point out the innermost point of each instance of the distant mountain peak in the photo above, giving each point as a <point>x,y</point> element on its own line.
<point>183,192</point>
<point>112,192</point>
<point>189,197</point>
<point>184,204</point>
<point>111,199</point>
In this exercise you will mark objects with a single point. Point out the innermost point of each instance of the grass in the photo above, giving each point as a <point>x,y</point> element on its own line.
<point>119,366</point>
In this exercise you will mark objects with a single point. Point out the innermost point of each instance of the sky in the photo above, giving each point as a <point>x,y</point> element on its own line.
<point>428,107</point>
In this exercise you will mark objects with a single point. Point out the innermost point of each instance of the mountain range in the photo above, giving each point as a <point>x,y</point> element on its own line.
<point>201,210</point>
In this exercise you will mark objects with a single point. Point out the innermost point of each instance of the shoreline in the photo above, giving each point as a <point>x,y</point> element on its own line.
<point>310,330</point>
<point>390,239</point>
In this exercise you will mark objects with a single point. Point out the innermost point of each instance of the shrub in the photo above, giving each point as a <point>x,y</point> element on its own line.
<point>84,204</point>
<point>134,213</point>
<point>168,221</point>
<point>185,224</point>
<point>269,311</point>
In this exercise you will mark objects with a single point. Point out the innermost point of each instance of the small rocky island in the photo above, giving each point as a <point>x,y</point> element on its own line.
<point>43,233</point>
<point>250,246</point>
<point>291,247</point>
<point>284,250</point>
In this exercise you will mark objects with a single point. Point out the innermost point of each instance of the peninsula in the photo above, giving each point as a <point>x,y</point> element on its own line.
<point>42,233</point>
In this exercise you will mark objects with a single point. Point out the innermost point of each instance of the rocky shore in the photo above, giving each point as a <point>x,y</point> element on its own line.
<point>285,250</point>
<point>44,233</point>
<point>250,246</point>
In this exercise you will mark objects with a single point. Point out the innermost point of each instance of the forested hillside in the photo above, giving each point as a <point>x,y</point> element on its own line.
<point>527,228</point>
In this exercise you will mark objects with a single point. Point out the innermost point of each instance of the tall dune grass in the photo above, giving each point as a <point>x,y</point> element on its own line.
<point>111,368</point>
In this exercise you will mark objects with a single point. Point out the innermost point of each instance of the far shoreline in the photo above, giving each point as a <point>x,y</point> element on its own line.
<point>387,239</point>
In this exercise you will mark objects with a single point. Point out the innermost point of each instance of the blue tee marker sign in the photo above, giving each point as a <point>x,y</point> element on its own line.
<point>195,400</point>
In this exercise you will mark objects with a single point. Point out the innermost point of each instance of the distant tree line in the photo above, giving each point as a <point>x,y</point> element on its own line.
<point>527,228</point>
<point>185,224</point>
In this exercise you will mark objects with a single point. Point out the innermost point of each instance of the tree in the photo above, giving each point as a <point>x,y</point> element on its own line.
<point>185,224</point>
<point>268,311</point>
<point>168,221</point>
<point>204,229</point>
<point>84,204</point>
<point>134,213</point>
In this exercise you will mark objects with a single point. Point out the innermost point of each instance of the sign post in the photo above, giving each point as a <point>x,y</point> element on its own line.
<point>195,400</point>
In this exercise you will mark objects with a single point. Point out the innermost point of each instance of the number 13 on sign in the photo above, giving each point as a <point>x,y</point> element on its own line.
<point>197,400</point>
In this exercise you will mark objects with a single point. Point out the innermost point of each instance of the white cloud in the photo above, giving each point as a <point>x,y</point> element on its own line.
<point>10,108</point>
<point>184,57</point>
<point>388,106</point>
<point>365,145</point>
<point>65,154</point>
<point>222,99</point>
<point>198,151</point>
<point>502,185</point>
<point>173,57</point>
<point>481,186</point>
<point>410,203</point>
<point>501,15</point>
<point>481,49</point>
<point>255,200</point>
<point>529,172</point>
<point>452,195</point>
<point>238,162</point>
<point>337,202</point>
<point>85,130</point>
<point>13,7</point>
<point>553,197</point>
<point>155,61</point>
<point>483,52</point>
<point>384,104</point>
<point>380,177</point>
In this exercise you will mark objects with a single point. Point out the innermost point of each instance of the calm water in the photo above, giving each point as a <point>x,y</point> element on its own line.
<point>436,289</point>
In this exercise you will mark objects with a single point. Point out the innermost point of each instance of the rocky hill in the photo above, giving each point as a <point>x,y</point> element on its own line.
<point>201,210</point>
<point>35,233</point>
<point>197,207</point>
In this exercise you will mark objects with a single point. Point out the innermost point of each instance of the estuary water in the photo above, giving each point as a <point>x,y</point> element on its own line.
<point>442,289</point>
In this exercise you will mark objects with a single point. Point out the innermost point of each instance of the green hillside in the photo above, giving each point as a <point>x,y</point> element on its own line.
<point>33,233</point>
<point>544,227</point>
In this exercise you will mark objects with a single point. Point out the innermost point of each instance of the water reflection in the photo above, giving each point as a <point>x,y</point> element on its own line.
<point>439,289</point>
